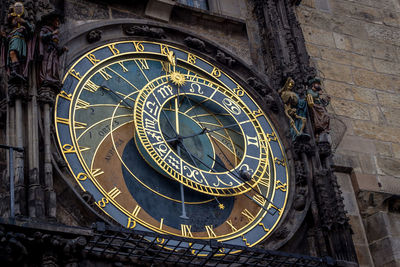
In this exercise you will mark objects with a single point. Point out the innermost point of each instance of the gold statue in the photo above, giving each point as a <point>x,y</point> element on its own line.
<point>295,108</point>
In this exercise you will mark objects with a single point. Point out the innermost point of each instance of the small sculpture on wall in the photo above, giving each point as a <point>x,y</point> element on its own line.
<point>295,110</point>
<point>17,51</point>
<point>317,103</point>
<point>49,51</point>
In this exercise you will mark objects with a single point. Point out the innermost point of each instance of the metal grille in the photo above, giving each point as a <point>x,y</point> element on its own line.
<point>160,249</point>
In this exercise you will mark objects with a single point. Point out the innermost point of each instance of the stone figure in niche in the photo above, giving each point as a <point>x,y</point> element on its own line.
<point>49,51</point>
<point>17,51</point>
<point>317,103</point>
<point>295,110</point>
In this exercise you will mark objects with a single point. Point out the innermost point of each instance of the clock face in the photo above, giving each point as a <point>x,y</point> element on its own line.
<point>167,142</point>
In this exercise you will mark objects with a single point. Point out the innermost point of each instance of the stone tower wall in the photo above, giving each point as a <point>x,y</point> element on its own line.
<point>355,46</point>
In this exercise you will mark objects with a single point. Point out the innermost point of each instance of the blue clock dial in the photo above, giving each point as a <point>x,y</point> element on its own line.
<point>166,141</point>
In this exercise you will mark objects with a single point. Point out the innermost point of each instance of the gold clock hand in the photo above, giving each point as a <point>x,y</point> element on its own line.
<point>204,131</point>
<point>178,150</point>
<point>240,178</point>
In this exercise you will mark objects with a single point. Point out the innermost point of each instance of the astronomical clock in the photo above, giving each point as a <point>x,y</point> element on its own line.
<point>168,142</point>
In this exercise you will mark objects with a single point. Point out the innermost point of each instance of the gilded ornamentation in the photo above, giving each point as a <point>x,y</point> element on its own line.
<point>295,109</point>
<point>177,78</point>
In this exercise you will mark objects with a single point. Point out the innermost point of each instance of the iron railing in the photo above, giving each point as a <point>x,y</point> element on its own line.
<point>160,249</point>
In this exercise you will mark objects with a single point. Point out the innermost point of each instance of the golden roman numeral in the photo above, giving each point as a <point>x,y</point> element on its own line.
<point>114,50</point>
<point>161,223</point>
<point>91,86</point>
<point>64,95</point>
<point>105,75</point>
<point>186,230</point>
<point>248,214</point>
<point>210,231</point>
<point>79,125</point>
<point>92,58</point>
<point>143,64</point>
<point>114,193</point>
<point>124,69</point>
<point>62,120</point>
<point>97,172</point>
<point>233,228</point>
<point>136,211</point>
<point>81,104</point>
<point>259,199</point>
<point>82,148</point>
<point>264,182</point>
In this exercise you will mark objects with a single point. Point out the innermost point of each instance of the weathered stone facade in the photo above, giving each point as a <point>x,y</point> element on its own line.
<point>355,47</point>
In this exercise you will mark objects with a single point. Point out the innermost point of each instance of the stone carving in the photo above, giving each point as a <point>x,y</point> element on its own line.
<point>259,87</point>
<point>329,199</point>
<point>271,103</point>
<point>17,89</point>
<point>224,59</point>
<point>282,233</point>
<point>300,200</point>
<point>94,36</point>
<point>50,51</point>
<point>88,198</point>
<point>17,51</point>
<point>317,103</point>
<point>283,45</point>
<point>301,178</point>
<point>195,43</point>
<point>295,110</point>
<point>153,32</point>
<point>17,247</point>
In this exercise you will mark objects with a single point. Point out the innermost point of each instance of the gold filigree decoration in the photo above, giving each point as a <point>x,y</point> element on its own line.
<point>177,78</point>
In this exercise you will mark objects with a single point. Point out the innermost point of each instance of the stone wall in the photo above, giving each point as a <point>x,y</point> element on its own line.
<point>198,22</point>
<point>355,46</point>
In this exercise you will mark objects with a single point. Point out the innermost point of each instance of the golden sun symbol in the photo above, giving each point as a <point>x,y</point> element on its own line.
<point>221,206</point>
<point>177,78</point>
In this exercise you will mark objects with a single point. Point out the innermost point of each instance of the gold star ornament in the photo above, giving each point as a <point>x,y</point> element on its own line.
<point>177,78</point>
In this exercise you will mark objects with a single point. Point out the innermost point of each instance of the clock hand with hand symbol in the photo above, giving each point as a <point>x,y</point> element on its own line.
<point>136,129</point>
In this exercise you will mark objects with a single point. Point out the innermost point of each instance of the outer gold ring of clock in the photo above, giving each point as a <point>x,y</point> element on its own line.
<point>89,173</point>
<point>173,173</point>
<point>160,54</point>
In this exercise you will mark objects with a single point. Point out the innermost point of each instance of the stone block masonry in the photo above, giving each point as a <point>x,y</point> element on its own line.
<point>355,46</point>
